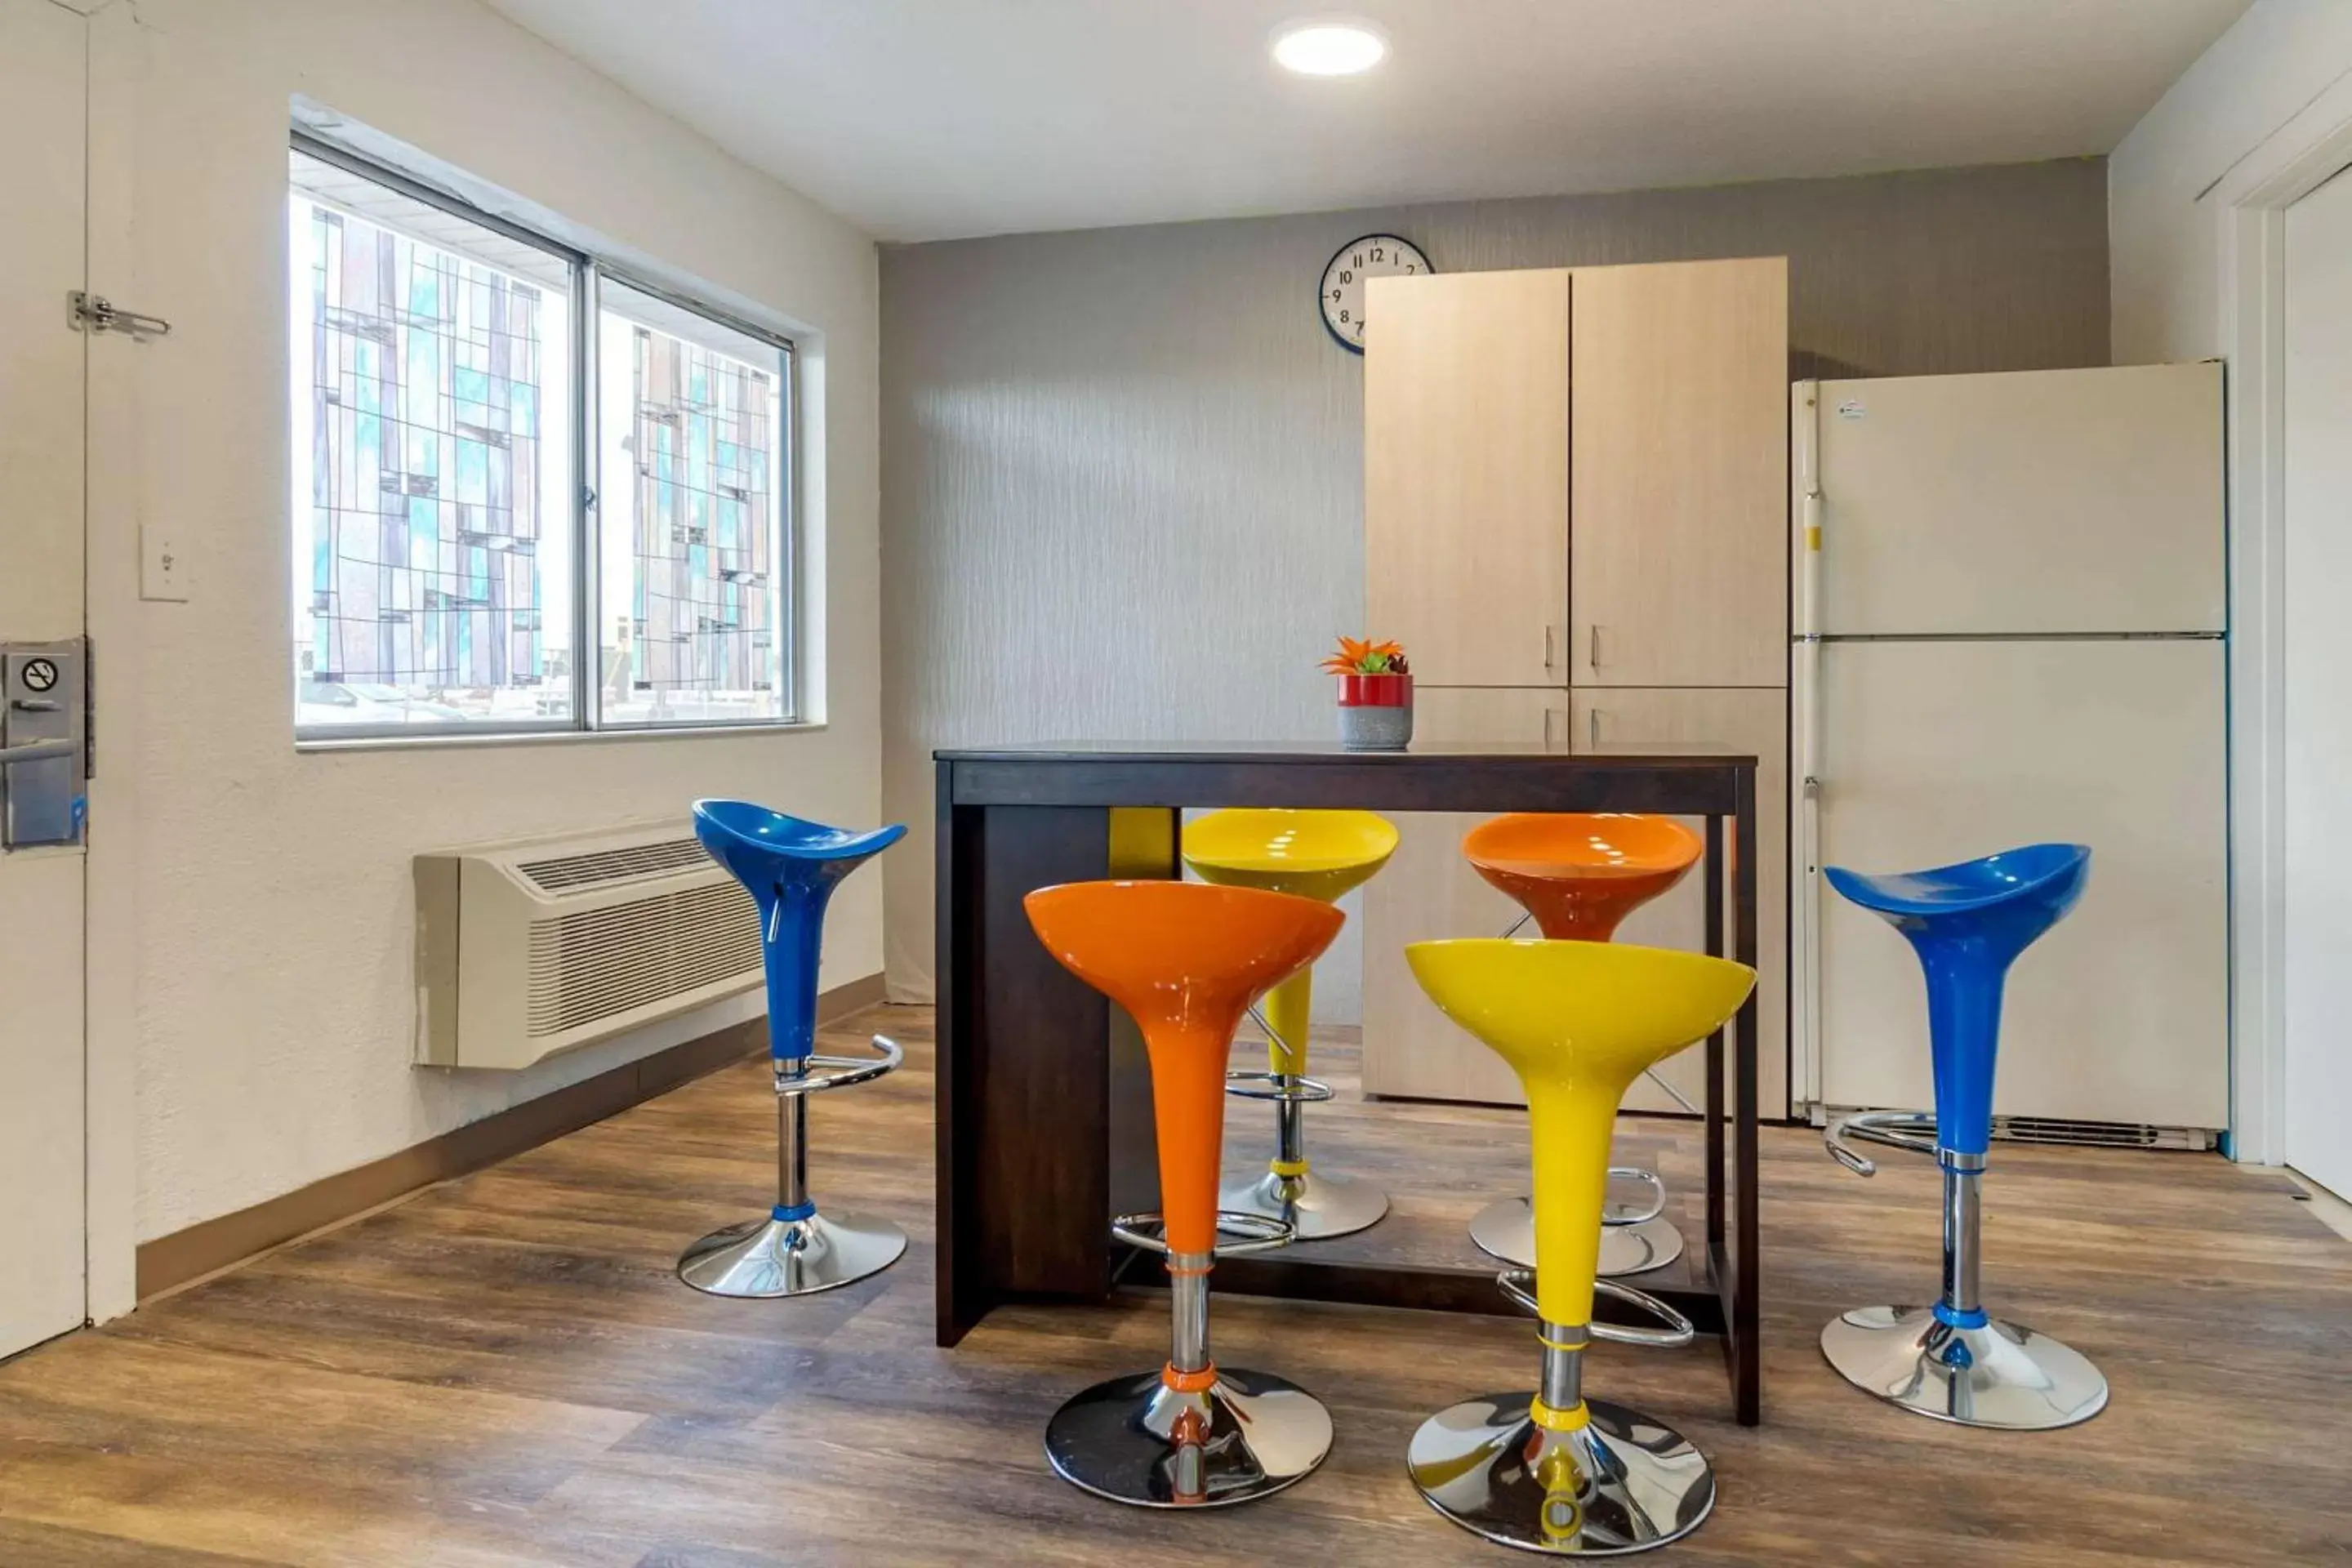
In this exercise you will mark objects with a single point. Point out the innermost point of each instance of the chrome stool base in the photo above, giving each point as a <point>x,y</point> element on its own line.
<point>2000,1375</point>
<point>1315,1205</point>
<point>1506,1228</point>
<point>761,1258</point>
<point>1625,1482</point>
<point>1136,1441</point>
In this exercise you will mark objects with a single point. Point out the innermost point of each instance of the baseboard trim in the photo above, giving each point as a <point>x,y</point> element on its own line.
<point>185,1255</point>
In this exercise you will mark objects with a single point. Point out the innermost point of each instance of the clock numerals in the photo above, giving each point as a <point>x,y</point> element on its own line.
<point>1341,297</point>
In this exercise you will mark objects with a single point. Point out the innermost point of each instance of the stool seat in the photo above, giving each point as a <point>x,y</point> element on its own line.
<point>791,865</point>
<point>1577,1021</point>
<point>1967,923</point>
<point>1185,960</point>
<point>1579,874</point>
<point>1320,855</point>
<point>1313,854</point>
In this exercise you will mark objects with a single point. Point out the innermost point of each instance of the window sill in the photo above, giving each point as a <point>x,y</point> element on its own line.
<point>315,744</point>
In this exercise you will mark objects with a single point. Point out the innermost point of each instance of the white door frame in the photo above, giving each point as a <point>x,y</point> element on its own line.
<point>112,485</point>
<point>2249,203</point>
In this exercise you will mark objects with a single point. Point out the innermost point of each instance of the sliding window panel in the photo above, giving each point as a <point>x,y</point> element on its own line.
<point>694,546</point>
<point>434,470</point>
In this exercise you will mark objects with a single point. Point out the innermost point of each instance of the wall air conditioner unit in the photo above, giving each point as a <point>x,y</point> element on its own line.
<point>534,946</point>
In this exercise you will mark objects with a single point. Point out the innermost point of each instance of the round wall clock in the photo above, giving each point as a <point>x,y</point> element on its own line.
<point>1340,295</point>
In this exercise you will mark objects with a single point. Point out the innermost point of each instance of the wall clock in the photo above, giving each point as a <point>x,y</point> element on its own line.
<point>1340,295</point>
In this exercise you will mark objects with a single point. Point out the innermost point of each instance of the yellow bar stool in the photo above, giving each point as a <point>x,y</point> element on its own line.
<point>1577,875</point>
<point>1318,855</point>
<point>1577,1021</point>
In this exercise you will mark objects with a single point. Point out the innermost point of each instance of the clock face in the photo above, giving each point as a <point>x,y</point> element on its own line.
<point>1341,295</point>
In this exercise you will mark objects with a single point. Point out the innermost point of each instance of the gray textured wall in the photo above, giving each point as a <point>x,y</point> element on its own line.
<point>1122,468</point>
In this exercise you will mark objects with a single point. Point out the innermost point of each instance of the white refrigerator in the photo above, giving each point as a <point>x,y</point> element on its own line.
<point>2009,620</point>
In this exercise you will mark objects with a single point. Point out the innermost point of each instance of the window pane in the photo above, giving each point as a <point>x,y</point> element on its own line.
<point>433,468</point>
<point>692,557</point>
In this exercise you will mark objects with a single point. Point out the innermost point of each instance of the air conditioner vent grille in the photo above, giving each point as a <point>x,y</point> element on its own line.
<point>598,868</point>
<point>594,964</point>
<point>2063,1130</point>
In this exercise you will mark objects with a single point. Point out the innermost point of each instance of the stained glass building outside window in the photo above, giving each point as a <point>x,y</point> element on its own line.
<point>432,463</point>
<point>694,564</point>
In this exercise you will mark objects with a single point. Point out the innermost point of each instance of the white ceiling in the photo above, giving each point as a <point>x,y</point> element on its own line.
<point>932,119</point>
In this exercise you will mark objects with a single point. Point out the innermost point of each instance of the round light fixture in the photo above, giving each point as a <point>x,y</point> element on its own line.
<point>1329,47</point>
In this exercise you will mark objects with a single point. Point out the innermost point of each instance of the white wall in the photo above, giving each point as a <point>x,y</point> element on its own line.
<point>2164,243</point>
<point>263,909</point>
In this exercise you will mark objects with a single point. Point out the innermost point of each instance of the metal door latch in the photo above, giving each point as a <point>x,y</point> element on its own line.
<point>43,743</point>
<point>96,313</point>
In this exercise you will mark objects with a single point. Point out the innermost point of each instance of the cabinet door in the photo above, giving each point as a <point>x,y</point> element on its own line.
<point>1427,890</point>
<point>1465,474</point>
<point>1680,498</point>
<point>1749,720</point>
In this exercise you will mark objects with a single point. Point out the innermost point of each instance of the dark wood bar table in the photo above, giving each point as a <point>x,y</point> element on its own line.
<point>1044,1098</point>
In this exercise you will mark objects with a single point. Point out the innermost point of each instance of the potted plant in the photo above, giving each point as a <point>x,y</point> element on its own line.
<point>1375,695</point>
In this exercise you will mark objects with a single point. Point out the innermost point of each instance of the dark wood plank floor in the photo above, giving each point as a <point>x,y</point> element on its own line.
<point>503,1370</point>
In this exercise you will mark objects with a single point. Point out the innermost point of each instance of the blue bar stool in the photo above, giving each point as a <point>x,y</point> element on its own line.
<point>791,868</point>
<point>1951,1361</point>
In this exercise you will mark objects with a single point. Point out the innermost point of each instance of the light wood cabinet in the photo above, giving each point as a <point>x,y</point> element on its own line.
<point>1465,474</point>
<point>1744,718</point>
<point>1576,480</point>
<point>1678,572</point>
<point>1428,892</point>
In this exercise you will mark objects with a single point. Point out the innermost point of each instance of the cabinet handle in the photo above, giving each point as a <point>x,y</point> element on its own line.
<point>1592,727</point>
<point>1550,656</point>
<point>1593,645</point>
<point>1547,732</point>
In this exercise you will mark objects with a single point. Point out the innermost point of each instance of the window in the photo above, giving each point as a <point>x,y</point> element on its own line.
<point>485,484</point>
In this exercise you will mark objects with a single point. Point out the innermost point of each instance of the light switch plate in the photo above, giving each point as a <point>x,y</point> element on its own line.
<point>163,570</point>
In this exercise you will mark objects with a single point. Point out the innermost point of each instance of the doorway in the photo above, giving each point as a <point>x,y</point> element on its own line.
<point>44,67</point>
<point>2317,929</point>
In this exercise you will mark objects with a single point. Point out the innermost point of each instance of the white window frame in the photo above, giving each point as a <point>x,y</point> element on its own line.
<point>588,270</point>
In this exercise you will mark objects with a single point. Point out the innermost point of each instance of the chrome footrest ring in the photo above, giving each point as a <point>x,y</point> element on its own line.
<point>1259,1233</point>
<point>840,1072</point>
<point>1649,1179</point>
<point>1289,1088</point>
<point>1912,1132</point>
<point>1679,1331</point>
<point>1518,1285</point>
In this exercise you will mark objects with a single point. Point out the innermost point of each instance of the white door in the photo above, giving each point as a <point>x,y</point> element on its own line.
<point>2318,694</point>
<point>1935,752</point>
<point>2047,501</point>
<point>43,50</point>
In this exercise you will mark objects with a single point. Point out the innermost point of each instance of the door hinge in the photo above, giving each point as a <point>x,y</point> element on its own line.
<point>95,314</point>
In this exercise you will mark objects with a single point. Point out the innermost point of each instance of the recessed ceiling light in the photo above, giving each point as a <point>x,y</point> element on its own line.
<point>1329,48</point>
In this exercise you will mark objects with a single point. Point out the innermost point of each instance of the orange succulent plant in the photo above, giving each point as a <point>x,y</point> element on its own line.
<point>1362,656</point>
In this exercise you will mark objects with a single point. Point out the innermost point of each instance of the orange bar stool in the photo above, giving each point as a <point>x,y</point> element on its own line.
<point>1579,875</point>
<point>1186,960</point>
<point>1550,1470</point>
<point>1318,855</point>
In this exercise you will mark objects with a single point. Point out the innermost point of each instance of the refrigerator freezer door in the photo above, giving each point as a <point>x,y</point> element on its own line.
<point>1935,752</point>
<point>2064,500</point>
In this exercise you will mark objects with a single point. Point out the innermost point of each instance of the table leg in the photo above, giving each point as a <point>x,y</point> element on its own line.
<point>1023,1071</point>
<point>1044,1094</point>
<point>1745,1318</point>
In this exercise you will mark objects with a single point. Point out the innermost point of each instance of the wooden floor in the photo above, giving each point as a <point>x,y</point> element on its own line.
<point>503,1370</point>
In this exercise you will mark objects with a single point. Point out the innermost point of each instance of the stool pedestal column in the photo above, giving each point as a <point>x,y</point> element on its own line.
<point>795,1251</point>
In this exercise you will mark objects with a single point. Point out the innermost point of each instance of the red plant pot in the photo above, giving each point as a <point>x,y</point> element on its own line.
<point>1375,712</point>
<point>1376,691</point>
